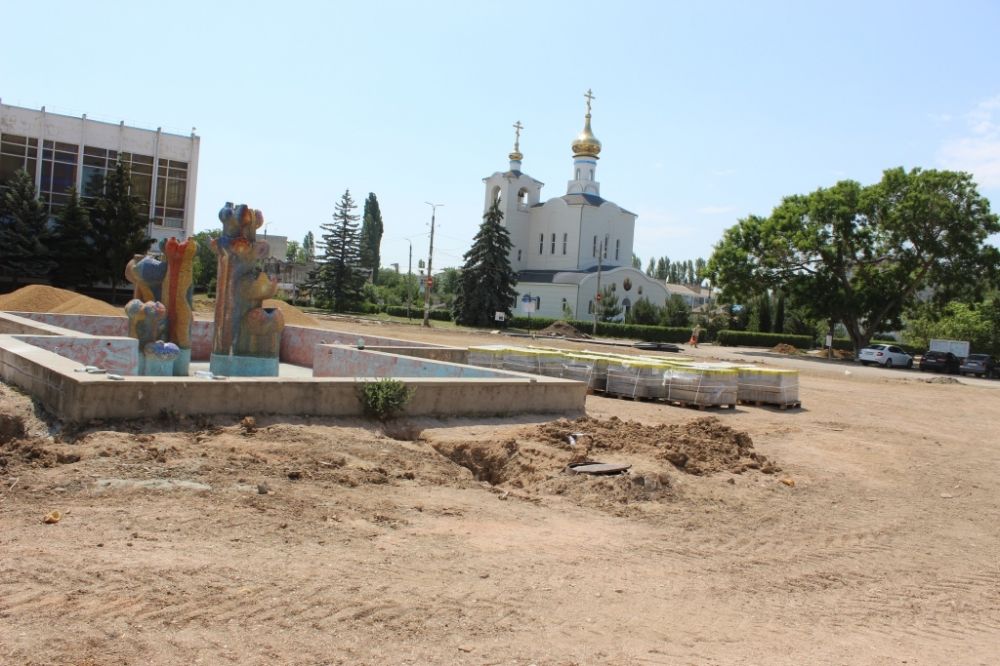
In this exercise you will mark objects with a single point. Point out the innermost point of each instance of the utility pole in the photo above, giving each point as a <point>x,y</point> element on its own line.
<point>409,272</point>
<point>429,282</point>
<point>597,298</point>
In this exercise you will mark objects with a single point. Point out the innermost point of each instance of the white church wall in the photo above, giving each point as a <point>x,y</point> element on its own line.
<point>554,226</point>
<point>608,224</point>
<point>550,298</point>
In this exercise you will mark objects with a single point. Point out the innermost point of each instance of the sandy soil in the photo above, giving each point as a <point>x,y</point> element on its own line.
<point>860,529</point>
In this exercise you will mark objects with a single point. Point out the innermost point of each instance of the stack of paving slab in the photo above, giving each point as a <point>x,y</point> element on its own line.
<point>702,384</point>
<point>638,378</point>
<point>769,386</point>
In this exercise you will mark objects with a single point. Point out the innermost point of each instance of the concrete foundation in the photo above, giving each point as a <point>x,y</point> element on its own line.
<point>47,360</point>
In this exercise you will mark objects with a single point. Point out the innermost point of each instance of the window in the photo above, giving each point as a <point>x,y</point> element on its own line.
<point>171,193</point>
<point>59,165</point>
<point>605,246</point>
<point>578,174</point>
<point>17,153</point>
<point>618,245</point>
<point>565,239</point>
<point>519,255</point>
<point>553,251</point>
<point>595,246</point>
<point>522,196</point>
<point>590,307</point>
<point>541,243</point>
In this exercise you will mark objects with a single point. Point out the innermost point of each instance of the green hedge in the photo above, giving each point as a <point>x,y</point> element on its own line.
<point>610,329</point>
<point>755,339</point>
<point>845,344</point>
<point>417,312</point>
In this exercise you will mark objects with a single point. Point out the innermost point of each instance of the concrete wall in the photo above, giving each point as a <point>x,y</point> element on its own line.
<point>343,361</point>
<point>447,354</point>
<point>116,355</point>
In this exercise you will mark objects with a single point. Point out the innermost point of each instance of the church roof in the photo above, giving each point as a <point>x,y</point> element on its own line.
<point>581,199</point>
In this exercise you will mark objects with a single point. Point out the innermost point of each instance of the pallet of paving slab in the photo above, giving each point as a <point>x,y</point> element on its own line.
<point>699,405</point>
<point>794,404</point>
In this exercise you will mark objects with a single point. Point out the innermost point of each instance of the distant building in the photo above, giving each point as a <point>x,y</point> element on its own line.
<point>694,295</point>
<point>568,248</point>
<point>60,152</point>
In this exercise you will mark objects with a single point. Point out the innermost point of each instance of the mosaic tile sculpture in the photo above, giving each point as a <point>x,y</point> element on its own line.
<point>247,336</point>
<point>147,323</point>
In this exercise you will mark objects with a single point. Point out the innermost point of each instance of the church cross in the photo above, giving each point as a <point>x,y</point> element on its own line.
<point>517,134</point>
<point>590,96</point>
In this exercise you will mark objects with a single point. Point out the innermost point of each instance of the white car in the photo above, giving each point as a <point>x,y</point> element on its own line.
<point>888,356</point>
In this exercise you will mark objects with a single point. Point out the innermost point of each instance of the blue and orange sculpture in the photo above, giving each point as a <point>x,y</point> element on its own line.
<point>170,284</point>
<point>247,336</point>
<point>147,323</point>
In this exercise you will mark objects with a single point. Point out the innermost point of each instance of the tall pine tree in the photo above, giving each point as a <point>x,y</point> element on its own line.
<point>23,230</point>
<point>120,229</point>
<point>339,280</point>
<point>371,236</point>
<point>487,284</point>
<point>72,245</point>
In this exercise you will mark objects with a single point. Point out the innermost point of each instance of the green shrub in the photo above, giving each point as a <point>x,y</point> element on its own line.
<point>384,398</point>
<point>756,339</point>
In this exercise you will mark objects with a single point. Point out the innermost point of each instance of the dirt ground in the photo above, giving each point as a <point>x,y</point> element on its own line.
<point>859,529</point>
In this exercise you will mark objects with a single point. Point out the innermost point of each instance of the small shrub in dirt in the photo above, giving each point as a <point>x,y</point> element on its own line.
<point>384,398</point>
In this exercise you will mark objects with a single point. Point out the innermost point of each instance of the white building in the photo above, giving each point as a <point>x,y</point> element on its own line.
<point>569,248</point>
<point>61,152</point>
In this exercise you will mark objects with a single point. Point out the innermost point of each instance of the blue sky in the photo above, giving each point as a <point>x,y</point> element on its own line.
<point>707,111</point>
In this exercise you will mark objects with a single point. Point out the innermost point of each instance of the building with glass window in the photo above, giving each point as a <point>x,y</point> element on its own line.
<point>569,249</point>
<point>60,152</point>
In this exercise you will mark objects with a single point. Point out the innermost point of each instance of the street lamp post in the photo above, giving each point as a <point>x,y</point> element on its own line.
<point>429,281</point>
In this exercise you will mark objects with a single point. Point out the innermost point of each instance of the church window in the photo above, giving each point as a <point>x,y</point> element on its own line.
<point>522,196</point>
<point>590,307</point>
<point>565,239</point>
<point>591,176</point>
<point>541,243</point>
<point>595,246</point>
<point>606,239</point>
<point>553,250</point>
<point>495,196</point>
<point>519,254</point>
<point>618,246</point>
<point>578,174</point>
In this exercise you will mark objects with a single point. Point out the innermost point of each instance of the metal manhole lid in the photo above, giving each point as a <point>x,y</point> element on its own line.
<point>597,468</point>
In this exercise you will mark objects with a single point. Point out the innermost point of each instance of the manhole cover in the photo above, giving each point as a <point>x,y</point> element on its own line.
<point>597,468</point>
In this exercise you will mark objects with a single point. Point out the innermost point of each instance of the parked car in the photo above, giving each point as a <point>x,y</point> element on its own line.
<point>939,361</point>
<point>980,365</point>
<point>885,355</point>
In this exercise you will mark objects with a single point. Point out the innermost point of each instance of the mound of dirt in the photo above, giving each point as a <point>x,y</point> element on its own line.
<point>562,329</point>
<point>702,446</point>
<point>785,349</point>
<point>293,315</point>
<point>942,380</point>
<point>43,298</point>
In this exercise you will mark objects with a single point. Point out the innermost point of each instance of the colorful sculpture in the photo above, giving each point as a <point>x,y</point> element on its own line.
<point>169,282</point>
<point>147,322</point>
<point>247,336</point>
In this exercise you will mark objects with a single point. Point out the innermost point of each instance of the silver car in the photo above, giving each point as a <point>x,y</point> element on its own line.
<point>888,356</point>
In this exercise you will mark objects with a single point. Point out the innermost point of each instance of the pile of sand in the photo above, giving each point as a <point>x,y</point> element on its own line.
<point>42,298</point>
<point>562,329</point>
<point>785,349</point>
<point>293,315</point>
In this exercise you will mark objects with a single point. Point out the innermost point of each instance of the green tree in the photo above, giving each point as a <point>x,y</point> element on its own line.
<point>120,229</point>
<point>610,309</point>
<point>450,281</point>
<point>779,314</point>
<point>645,313</point>
<point>338,280</point>
<point>309,246</point>
<point>371,236</point>
<point>662,268</point>
<point>294,253</point>
<point>676,311</point>
<point>205,267</point>
<point>487,279</point>
<point>23,230</point>
<point>636,262</point>
<point>72,245</point>
<point>651,267</point>
<point>859,255</point>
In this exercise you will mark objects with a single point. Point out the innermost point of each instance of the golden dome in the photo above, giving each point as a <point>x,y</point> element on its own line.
<point>586,144</point>
<point>516,156</point>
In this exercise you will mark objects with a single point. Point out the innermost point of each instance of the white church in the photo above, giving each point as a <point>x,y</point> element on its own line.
<point>568,249</point>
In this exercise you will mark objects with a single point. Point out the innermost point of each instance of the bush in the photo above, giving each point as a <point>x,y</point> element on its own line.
<point>729,338</point>
<point>384,398</point>
<point>417,312</point>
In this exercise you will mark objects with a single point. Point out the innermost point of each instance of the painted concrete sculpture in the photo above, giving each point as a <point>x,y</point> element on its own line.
<point>169,282</point>
<point>159,358</point>
<point>247,336</point>
<point>147,322</point>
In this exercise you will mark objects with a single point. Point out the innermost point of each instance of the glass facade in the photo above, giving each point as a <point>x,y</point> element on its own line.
<point>61,166</point>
